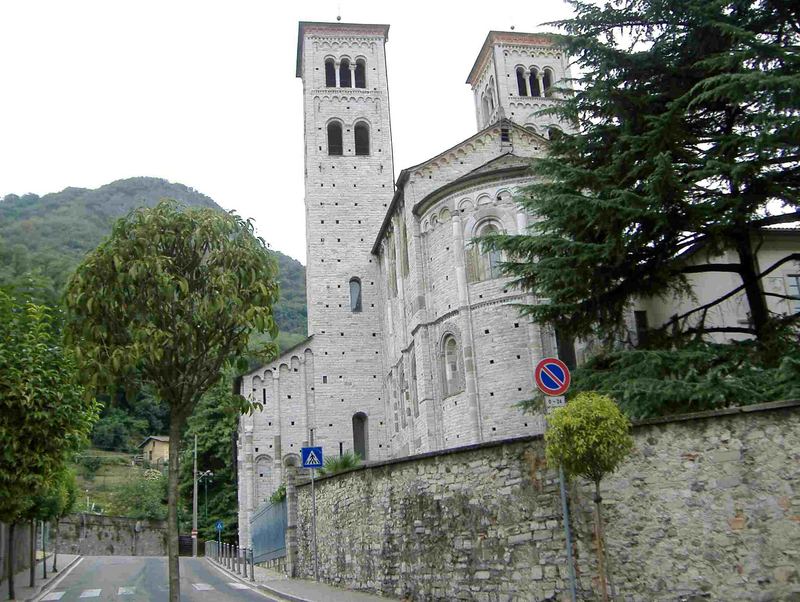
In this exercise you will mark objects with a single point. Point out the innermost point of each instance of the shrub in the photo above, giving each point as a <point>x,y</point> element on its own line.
<point>334,464</point>
<point>279,495</point>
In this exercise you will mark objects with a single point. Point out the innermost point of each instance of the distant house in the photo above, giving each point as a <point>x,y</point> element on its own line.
<point>155,449</point>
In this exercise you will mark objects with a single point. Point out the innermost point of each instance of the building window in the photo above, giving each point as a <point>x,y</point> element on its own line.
<point>330,74</point>
<point>452,367</point>
<point>414,394</point>
<point>534,81</point>
<point>361,73</point>
<point>521,88</point>
<point>794,290</point>
<point>335,146</point>
<point>547,82</point>
<point>484,265</point>
<point>487,113</point>
<point>355,294</point>
<point>404,249</point>
<point>640,319</point>
<point>360,439</point>
<point>344,74</point>
<point>362,138</point>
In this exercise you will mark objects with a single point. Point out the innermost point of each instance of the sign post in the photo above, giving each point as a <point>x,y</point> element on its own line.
<point>553,379</point>
<point>219,526</point>
<point>312,458</point>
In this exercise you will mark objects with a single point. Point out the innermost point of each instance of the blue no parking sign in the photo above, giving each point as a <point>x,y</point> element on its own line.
<point>552,376</point>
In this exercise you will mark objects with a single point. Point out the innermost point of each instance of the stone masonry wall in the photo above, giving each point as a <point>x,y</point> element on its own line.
<point>707,507</point>
<point>93,535</point>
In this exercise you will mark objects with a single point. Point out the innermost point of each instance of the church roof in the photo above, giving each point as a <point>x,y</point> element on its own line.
<point>506,37</point>
<point>501,164</point>
<point>333,29</point>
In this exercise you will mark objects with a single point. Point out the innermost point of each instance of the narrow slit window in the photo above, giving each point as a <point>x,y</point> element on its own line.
<point>355,295</point>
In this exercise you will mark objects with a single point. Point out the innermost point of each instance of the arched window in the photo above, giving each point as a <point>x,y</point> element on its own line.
<point>362,138</point>
<point>355,294</point>
<point>487,114</point>
<point>547,81</point>
<point>521,88</point>
<point>360,440</point>
<point>330,74</point>
<point>361,73</point>
<point>263,479</point>
<point>553,132</point>
<point>483,265</point>
<point>534,81</point>
<point>452,366</point>
<point>335,146</point>
<point>344,74</point>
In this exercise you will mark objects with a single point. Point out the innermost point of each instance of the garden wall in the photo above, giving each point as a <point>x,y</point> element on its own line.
<point>96,535</point>
<point>707,507</point>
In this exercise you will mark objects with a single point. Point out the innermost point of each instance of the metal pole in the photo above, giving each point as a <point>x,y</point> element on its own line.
<point>314,524</point>
<point>205,501</point>
<point>565,510</point>
<point>252,565</point>
<point>219,544</point>
<point>194,503</point>
<point>244,551</point>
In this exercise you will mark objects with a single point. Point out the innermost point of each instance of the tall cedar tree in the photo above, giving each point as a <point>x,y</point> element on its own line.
<point>686,128</point>
<point>169,300</point>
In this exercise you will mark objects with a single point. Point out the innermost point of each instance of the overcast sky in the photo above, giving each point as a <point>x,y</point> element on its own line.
<point>204,93</point>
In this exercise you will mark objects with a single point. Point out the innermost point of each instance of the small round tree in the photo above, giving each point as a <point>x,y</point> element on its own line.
<point>169,300</point>
<point>589,437</point>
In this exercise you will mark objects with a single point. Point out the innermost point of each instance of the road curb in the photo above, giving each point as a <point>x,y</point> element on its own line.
<point>50,583</point>
<point>269,590</point>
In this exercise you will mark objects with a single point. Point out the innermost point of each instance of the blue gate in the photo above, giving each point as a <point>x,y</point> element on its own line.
<point>268,529</point>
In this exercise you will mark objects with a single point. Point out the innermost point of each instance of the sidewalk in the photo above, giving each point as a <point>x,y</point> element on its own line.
<point>23,578</point>
<point>302,590</point>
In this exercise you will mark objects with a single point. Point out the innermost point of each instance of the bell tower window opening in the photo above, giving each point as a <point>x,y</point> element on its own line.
<point>330,74</point>
<point>361,73</point>
<point>522,89</point>
<point>335,146</point>
<point>361,134</point>
<point>534,82</point>
<point>547,82</point>
<point>355,295</point>
<point>451,368</point>
<point>344,74</point>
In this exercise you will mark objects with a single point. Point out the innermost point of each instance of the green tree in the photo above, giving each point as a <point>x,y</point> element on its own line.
<point>142,497</point>
<point>43,412</point>
<point>589,437</point>
<point>170,300</point>
<point>214,422</point>
<point>686,136</point>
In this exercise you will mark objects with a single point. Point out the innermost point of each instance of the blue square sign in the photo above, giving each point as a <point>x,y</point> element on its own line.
<point>312,457</point>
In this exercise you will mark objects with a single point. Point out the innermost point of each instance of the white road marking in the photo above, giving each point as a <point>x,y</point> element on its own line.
<point>59,580</point>
<point>236,585</point>
<point>126,591</point>
<point>54,596</point>
<point>202,587</point>
<point>90,593</point>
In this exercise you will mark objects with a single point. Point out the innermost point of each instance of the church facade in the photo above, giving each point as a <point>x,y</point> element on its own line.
<point>415,341</point>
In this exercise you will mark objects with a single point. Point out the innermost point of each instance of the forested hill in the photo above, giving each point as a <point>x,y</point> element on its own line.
<point>46,237</point>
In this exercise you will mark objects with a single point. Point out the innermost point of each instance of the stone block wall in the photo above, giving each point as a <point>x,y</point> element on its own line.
<point>94,535</point>
<point>707,507</point>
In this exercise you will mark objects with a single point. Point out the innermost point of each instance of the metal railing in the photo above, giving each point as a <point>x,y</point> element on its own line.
<point>230,556</point>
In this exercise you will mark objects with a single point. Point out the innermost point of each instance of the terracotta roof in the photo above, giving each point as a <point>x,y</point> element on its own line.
<point>161,438</point>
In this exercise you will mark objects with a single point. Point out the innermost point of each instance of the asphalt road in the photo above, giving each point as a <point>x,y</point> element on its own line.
<point>144,579</point>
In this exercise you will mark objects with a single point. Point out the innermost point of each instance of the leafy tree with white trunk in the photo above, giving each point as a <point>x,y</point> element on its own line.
<point>169,300</point>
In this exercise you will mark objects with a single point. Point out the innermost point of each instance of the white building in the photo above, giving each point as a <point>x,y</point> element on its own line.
<point>415,342</point>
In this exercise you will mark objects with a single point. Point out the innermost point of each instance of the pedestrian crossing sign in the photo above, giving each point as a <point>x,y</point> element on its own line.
<point>312,457</point>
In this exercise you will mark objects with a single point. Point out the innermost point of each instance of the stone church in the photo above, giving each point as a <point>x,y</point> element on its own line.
<point>415,342</point>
